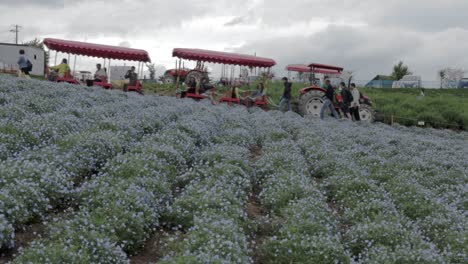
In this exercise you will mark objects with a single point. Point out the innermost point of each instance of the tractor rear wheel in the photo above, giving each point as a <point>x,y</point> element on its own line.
<point>366,113</point>
<point>197,75</point>
<point>169,79</point>
<point>311,103</point>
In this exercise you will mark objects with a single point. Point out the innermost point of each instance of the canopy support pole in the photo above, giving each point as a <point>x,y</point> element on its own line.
<point>74,66</point>
<point>142,69</point>
<point>56,54</point>
<point>138,69</point>
<point>109,72</point>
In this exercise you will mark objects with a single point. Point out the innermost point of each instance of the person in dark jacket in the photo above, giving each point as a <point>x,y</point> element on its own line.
<point>347,99</point>
<point>328,101</point>
<point>23,65</point>
<point>286,98</point>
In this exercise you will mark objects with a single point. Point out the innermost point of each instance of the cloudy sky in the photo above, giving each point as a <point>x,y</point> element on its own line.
<point>365,36</point>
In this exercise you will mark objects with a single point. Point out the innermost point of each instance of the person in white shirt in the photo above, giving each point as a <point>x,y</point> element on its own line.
<point>355,104</point>
<point>100,74</point>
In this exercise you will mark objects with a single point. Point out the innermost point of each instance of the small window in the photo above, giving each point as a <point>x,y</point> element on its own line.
<point>35,57</point>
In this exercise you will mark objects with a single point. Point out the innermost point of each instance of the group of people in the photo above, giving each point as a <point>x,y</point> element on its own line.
<point>63,70</point>
<point>204,87</point>
<point>347,98</point>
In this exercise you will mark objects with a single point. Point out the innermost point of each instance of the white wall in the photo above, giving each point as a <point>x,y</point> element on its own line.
<point>118,72</point>
<point>9,54</point>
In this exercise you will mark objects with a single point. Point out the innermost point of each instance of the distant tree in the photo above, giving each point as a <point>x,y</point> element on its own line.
<point>399,71</point>
<point>37,43</point>
<point>450,77</point>
<point>441,74</point>
<point>152,70</point>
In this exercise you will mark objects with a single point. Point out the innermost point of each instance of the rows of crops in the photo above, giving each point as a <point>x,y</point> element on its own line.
<point>102,171</point>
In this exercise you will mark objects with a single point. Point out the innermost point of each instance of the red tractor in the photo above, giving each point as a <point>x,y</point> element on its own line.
<point>170,76</point>
<point>182,74</point>
<point>311,98</point>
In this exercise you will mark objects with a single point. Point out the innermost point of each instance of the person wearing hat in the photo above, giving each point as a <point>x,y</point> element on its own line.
<point>286,98</point>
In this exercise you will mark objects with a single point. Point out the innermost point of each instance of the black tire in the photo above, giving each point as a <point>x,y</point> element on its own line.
<point>311,103</point>
<point>366,113</point>
<point>197,75</point>
<point>169,79</point>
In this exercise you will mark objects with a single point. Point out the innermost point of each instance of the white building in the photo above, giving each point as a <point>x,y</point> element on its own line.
<point>118,72</point>
<point>9,54</point>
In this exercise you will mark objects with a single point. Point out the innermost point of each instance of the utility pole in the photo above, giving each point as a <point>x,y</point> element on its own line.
<point>16,31</point>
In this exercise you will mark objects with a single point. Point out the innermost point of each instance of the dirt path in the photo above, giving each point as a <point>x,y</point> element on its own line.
<point>23,238</point>
<point>255,211</point>
<point>156,246</point>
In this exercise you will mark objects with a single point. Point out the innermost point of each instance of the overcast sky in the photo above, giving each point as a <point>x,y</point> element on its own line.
<point>365,36</point>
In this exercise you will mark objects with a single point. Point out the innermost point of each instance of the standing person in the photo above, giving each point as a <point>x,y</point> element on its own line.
<point>100,73</point>
<point>355,104</point>
<point>324,84</point>
<point>347,99</point>
<point>23,65</point>
<point>286,98</point>
<point>132,77</point>
<point>328,102</point>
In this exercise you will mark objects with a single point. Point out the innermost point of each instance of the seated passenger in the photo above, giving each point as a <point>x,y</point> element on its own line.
<point>100,74</point>
<point>256,95</point>
<point>132,77</point>
<point>60,70</point>
<point>261,91</point>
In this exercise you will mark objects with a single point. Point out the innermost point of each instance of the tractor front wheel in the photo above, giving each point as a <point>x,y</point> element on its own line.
<point>169,79</point>
<point>366,113</point>
<point>197,75</point>
<point>311,103</point>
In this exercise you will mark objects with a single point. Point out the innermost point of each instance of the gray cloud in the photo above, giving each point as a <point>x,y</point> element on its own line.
<point>427,34</point>
<point>367,52</point>
<point>35,3</point>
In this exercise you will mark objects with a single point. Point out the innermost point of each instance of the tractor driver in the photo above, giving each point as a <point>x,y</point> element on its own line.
<point>192,85</point>
<point>205,86</point>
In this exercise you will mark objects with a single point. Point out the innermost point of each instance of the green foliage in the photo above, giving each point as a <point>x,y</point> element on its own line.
<point>400,70</point>
<point>446,108</point>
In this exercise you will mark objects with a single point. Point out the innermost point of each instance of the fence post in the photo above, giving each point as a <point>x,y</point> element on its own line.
<point>391,122</point>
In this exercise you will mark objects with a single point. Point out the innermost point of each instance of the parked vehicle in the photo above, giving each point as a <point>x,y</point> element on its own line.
<point>463,83</point>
